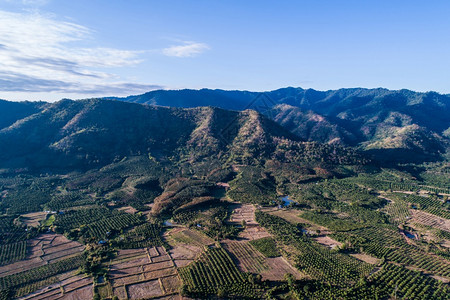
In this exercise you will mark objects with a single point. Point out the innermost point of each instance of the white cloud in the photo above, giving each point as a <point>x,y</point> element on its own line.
<point>188,49</point>
<point>39,53</point>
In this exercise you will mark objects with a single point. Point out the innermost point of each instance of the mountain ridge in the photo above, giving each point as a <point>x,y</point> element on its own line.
<point>95,133</point>
<point>359,114</point>
<point>378,121</point>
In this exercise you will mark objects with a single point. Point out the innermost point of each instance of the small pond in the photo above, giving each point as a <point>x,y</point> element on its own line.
<point>410,235</point>
<point>168,223</point>
<point>287,201</point>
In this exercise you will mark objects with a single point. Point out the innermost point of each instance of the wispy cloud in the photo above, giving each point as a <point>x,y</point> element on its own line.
<point>187,49</point>
<point>35,2</point>
<point>28,2</point>
<point>39,53</point>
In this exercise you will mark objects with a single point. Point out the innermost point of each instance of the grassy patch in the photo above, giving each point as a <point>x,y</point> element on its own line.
<point>266,246</point>
<point>49,221</point>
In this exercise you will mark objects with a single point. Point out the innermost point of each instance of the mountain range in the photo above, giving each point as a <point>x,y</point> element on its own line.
<point>388,126</point>
<point>94,133</point>
<point>409,126</point>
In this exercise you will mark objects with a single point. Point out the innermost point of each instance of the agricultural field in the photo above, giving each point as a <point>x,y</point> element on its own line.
<point>214,273</point>
<point>293,216</point>
<point>33,219</point>
<point>143,237</point>
<point>184,254</point>
<point>244,215</point>
<point>421,217</point>
<point>249,259</point>
<point>140,273</point>
<point>31,279</point>
<point>128,209</point>
<point>192,237</point>
<point>43,250</point>
<point>328,242</point>
<point>67,286</point>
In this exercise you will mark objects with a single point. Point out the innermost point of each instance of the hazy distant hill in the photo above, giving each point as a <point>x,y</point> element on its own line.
<point>374,119</point>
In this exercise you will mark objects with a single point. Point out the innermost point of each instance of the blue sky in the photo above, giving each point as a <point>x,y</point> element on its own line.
<point>53,49</point>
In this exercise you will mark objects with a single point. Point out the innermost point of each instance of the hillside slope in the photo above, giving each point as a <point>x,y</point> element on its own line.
<point>92,133</point>
<point>362,117</point>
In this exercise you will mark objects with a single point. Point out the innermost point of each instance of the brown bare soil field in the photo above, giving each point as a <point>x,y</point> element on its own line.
<point>254,233</point>
<point>278,267</point>
<point>292,215</point>
<point>327,242</point>
<point>428,219</point>
<point>171,284</point>
<point>128,209</point>
<point>144,290</point>
<point>188,236</point>
<point>161,258</point>
<point>366,258</point>
<point>69,286</point>
<point>249,259</point>
<point>120,292</point>
<point>174,297</point>
<point>246,212</point>
<point>140,259</point>
<point>446,244</point>
<point>158,265</point>
<point>85,292</point>
<point>160,273</point>
<point>155,251</point>
<point>45,248</point>
<point>243,212</point>
<point>60,246</point>
<point>130,279</point>
<point>124,273</point>
<point>77,284</point>
<point>136,274</point>
<point>184,254</point>
<point>33,219</point>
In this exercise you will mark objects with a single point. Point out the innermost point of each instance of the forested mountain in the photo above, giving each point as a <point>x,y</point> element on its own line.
<point>417,123</point>
<point>10,112</point>
<point>93,133</point>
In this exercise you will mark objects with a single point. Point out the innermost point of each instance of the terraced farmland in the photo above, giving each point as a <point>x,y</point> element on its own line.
<point>141,273</point>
